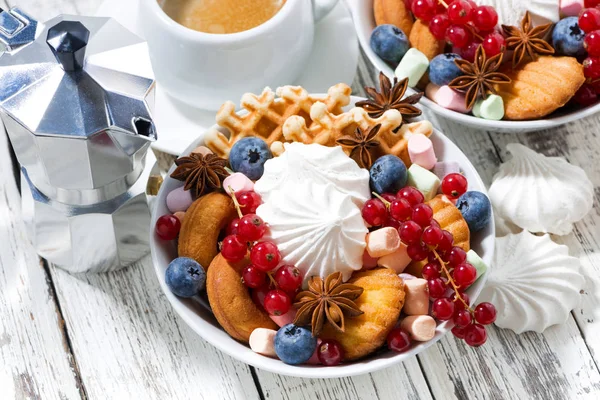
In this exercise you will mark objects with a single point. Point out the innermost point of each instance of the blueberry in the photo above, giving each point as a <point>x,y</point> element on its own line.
<point>476,210</point>
<point>389,43</point>
<point>185,277</point>
<point>248,156</point>
<point>567,38</point>
<point>388,174</point>
<point>443,69</point>
<point>294,344</point>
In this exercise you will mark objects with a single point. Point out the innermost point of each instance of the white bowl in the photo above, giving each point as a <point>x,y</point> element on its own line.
<point>364,23</point>
<point>196,312</point>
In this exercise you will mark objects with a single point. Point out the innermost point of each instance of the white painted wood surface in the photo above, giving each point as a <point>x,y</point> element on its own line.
<point>122,340</point>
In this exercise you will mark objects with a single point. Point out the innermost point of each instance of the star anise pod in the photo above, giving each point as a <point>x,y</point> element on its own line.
<point>330,300</point>
<point>479,76</point>
<point>527,40</point>
<point>361,144</point>
<point>390,97</point>
<point>201,173</point>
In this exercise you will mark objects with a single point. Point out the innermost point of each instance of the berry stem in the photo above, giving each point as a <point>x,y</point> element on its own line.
<point>474,32</point>
<point>456,292</point>
<point>235,202</point>
<point>272,280</point>
<point>384,201</point>
<point>442,2</point>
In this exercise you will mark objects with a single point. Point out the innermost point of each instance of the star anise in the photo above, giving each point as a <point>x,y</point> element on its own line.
<point>361,144</point>
<point>479,76</point>
<point>201,173</point>
<point>390,97</point>
<point>330,300</point>
<point>527,40</point>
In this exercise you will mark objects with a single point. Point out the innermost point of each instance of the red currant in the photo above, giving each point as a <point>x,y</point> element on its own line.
<point>391,222</point>
<point>446,243</point>
<point>485,313</point>
<point>460,12</point>
<point>430,271</point>
<point>253,277</point>
<point>493,44</point>
<point>464,275</point>
<point>591,67</point>
<point>400,209</point>
<point>442,309</point>
<point>456,256</point>
<point>277,302</point>
<point>374,212</point>
<point>408,4</point>
<point>249,202</point>
<point>265,256</point>
<point>586,95</point>
<point>459,36</point>
<point>438,26</point>
<point>462,318</point>
<point>424,9</point>
<point>468,52</point>
<point>251,228</point>
<point>422,214</point>
<point>485,18</point>
<point>432,236</point>
<point>232,227</point>
<point>458,332</point>
<point>234,249</point>
<point>389,197</point>
<point>399,340</point>
<point>475,335</point>
<point>410,232</point>
<point>437,288</point>
<point>330,352</point>
<point>167,227</point>
<point>454,185</point>
<point>412,195</point>
<point>589,19</point>
<point>259,294</point>
<point>288,278</point>
<point>458,304</point>
<point>591,3</point>
<point>417,251</point>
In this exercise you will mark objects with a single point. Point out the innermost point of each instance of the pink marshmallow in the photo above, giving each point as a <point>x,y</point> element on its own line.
<point>262,341</point>
<point>446,97</point>
<point>443,168</point>
<point>407,277</point>
<point>396,261</point>
<point>382,242</point>
<point>202,150</point>
<point>570,8</point>
<point>238,182</point>
<point>420,327</point>
<point>287,318</point>
<point>368,261</point>
<point>416,301</point>
<point>420,150</point>
<point>179,215</point>
<point>179,200</point>
<point>314,359</point>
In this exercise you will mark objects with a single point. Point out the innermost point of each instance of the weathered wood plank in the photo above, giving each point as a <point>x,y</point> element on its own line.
<point>35,361</point>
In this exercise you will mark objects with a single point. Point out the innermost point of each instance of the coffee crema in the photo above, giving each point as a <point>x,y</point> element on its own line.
<point>221,16</point>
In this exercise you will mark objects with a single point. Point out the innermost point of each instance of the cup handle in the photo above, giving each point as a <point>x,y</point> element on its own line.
<point>322,8</point>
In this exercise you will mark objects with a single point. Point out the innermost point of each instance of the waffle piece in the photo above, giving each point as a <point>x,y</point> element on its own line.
<point>266,115</point>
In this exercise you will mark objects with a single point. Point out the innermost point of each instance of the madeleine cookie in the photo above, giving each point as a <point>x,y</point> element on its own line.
<point>393,12</point>
<point>381,303</point>
<point>540,87</point>
<point>202,225</point>
<point>231,302</point>
<point>423,40</point>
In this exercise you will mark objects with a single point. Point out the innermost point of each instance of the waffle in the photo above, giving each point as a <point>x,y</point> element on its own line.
<point>266,115</point>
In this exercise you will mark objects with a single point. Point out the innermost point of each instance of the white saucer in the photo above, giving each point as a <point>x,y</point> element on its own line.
<point>333,60</point>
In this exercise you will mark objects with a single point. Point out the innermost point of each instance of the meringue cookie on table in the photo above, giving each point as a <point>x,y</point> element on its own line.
<point>511,12</point>
<point>534,282</point>
<point>539,193</point>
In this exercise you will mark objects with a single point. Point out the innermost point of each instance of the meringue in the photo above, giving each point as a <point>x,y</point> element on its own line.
<point>534,283</point>
<point>511,12</point>
<point>539,193</point>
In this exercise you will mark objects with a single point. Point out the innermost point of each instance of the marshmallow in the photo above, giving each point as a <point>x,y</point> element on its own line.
<point>368,261</point>
<point>262,341</point>
<point>443,168</point>
<point>407,277</point>
<point>420,150</point>
<point>413,66</point>
<point>446,97</point>
<point>491,108</point>
<point>314,359</point>
<point>476,261</point>
<point>284,319</point>
<point>420,327</point>
<point>382,242</point>
<point>238,182</point>
<point>397,260</point>
<point>570,8</point>
<point>180,215</point>
<point>202,150</point>
<point>416,301</point>
<point>426,181</point>
<point>179,200</point>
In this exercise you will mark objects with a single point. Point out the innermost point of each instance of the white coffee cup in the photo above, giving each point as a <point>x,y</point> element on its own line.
<point>205,70</point>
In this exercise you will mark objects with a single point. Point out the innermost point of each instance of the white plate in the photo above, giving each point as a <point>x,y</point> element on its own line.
<point>333,60</point>
<point>364,22</point>
<point>196,312</point>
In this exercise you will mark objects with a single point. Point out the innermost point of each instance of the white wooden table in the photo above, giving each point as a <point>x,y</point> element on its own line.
<point>115,336</point>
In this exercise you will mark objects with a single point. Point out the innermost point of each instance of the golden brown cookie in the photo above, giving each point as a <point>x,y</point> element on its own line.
<point>540,87</point>
<point>423,40</point>
<point>381,302</point>
<point>201,226</point>
<point>393,12</point>
<point>231,302</point>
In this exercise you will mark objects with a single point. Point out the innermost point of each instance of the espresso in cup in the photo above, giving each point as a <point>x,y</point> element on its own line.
<point>221,16</point>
